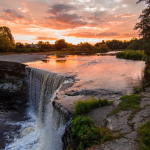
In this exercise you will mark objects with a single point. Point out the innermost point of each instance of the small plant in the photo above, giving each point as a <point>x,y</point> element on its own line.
<point>144,133</point>
<point>128,102</point>
<point>83,107</point>
<point>86,134</point>
<point>137,89</point>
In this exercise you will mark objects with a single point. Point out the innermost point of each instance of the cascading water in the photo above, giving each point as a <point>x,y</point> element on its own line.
<point>45,130</point>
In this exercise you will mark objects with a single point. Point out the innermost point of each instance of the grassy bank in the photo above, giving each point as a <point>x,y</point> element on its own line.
<point>132,55</point>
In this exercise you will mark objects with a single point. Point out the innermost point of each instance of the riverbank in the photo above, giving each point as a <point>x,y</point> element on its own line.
<point>124,122</point>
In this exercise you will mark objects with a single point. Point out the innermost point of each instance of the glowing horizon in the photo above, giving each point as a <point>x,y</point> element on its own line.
<point>75,21</point>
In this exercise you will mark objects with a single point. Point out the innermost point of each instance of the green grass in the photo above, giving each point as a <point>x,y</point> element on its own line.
<point>144,133</point>
<point>128,102</point>
<point>83,107</point>
<point>137,89</point>
<point>133,55</point>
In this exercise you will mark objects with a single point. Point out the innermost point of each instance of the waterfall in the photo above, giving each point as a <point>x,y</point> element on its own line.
<point>43,87</point>
<point>48,119</point>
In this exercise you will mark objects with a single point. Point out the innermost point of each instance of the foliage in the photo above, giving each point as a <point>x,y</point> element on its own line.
<point>60,44</point>
<point>19,45</point>
<point>128,102</point>
<point>144,31</point>
<point>6,32</point>
<point>137,44</point>
<point>137,89</point>
<point>44,45</point>
<point>115,44</point>
<point>83,107</point>
<point>86,134</point>
<point>6,40</point>
<point>144,133</point>
<point>84,131</point>
<point>143,26</point>
<point>133,55</point>
<point>104,48</point>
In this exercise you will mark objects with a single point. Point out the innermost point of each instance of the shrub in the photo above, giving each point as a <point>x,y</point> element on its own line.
<point>86,134</point>
<point>133,55</point>
<point>137,89</point>
<point>144,133</point>
<point>82,107</point>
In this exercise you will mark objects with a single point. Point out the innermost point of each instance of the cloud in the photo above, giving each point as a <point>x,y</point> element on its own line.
<point>93,35</point>
<point>59,8</point>
<point>66,21</point>
<point>100,35</point>
<point>12,13</point>
<point>126,15</point>
<point>98,19</point>
<point>46,38</point>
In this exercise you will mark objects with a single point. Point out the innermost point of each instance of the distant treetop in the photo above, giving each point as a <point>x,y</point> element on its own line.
<point>6,32</point>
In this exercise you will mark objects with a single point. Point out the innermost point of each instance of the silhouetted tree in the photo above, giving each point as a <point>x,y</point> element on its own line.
<point>59,44</point>
<point>7,42</point>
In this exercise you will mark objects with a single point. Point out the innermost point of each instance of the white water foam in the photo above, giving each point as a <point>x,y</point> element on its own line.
<point>47,125</point>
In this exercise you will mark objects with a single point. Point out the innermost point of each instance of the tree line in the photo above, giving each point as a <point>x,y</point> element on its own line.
<point>7,44</point>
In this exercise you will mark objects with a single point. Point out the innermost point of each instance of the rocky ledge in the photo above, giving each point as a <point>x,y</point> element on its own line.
<point>121,123</point>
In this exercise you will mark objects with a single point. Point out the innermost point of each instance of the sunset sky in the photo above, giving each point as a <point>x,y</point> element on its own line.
<point>75,21</point>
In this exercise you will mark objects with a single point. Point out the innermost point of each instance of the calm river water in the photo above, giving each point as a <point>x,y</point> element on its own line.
<point>96,72</point>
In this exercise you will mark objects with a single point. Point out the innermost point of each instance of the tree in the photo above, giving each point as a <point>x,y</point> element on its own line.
<point>103,48</point>
<point>60,44</point>
<point>143,26</point>
<point>7,42</point>
<point>39,44</point>
<point>19,45</point>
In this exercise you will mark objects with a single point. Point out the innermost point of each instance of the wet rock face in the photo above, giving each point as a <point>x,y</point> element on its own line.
<point>12,100</point>
<point>12,95</point>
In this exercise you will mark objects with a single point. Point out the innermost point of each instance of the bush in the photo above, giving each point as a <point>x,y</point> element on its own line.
<point>137,89</point>
<point>133,55</point>
<point>86,134</point>
<point>144,133</point>
<point>82,107</point>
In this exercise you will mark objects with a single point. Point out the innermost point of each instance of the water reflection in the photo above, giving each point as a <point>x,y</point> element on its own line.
<point>97,72</point>
<point>45,60</point>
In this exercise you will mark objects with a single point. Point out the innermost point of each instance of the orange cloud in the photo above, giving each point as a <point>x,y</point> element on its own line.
<point>126,15</point>
<point>100,35</point>
<point>46,38</point>
<point>45,20</point>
